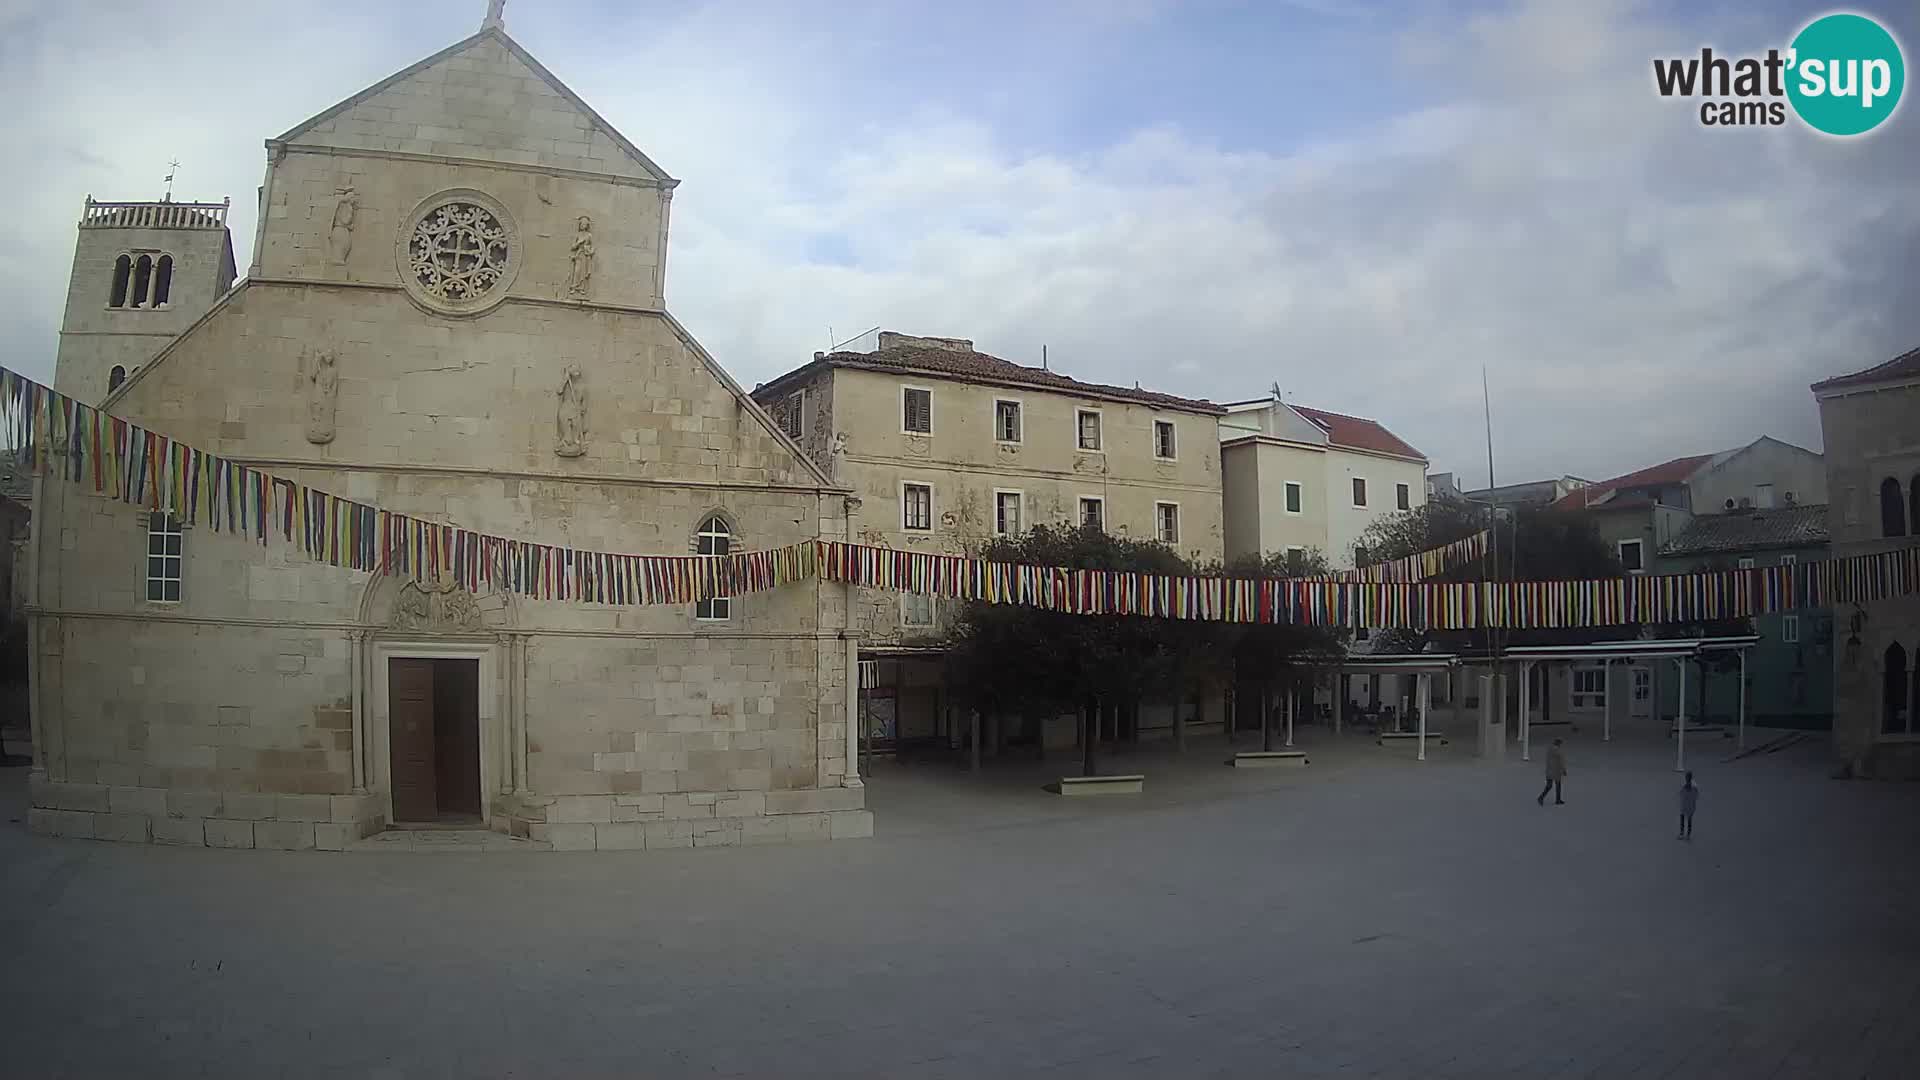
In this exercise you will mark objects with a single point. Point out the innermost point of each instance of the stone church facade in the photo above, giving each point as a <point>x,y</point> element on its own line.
<point>454,310</point>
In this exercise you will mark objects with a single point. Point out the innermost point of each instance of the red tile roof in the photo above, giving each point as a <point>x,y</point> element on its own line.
<point>1666,473</point>
<point>981,367</point>
<point>1358,433</point>
<point>1904,366</point>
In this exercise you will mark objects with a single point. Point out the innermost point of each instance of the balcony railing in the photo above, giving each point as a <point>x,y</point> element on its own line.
<point>164,214</point>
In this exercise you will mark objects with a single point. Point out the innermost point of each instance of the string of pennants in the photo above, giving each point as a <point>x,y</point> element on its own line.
<point>124,461</point>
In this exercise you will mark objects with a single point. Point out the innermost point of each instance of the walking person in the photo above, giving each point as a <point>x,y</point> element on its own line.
<point>1689,798</point>
<point>1556,772</point>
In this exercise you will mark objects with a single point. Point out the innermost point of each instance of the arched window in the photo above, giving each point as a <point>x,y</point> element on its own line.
<point>1893,514</point>
<point>115,377</point>
<point>162,281</point>
<point>714,538</point>
<point>122,274</point>
<point>1895,720</point>
<point>142,278</point>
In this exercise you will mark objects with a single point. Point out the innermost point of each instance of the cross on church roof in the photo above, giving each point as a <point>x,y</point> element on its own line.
<point>496,15</point>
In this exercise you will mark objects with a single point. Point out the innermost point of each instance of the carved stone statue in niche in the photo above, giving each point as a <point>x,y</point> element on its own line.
<point>570,419</point>
<point>580,274</point>
<point>323,393</point>
<point>443,604</point>
<point>340,236</point>
<point>837,457</point>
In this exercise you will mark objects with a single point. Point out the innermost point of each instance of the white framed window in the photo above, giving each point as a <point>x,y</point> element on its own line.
<point>1296,498</point>
<point>164,542</point>
<point>1007,426</point>
<point>714,538</point>
<point>1789,560</point>
<point>1790,629</point>
<point>1166,522</point>
<point>1086,427</point>
<point>1093,512</point>
<point>794,420</point>
<point>917,609</point>
<point>1009,512</point>
<point>1402,497</point>
<point>1359,491</point>
<point>916,507</point>
<point>1746,562</point>
<point>916,410</point>
<point>1589,688</point>
<point>1763,496</point>
<point>1630,557</point>
<point>1165,447</point>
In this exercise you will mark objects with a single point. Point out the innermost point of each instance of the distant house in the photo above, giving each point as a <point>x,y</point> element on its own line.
<point>1531,493</point>
<point>1295,478</point>
<point>1790,672</point>
<point>1641,512</point>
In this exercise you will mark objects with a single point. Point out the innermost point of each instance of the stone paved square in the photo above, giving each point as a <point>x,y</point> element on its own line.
<point>1368,916</point>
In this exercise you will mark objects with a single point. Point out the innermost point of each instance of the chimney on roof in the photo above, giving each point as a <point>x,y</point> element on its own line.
<point>818,355</point>
<point>892,340</point>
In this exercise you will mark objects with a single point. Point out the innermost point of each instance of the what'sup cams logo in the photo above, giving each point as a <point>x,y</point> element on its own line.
<point>1842,75</point>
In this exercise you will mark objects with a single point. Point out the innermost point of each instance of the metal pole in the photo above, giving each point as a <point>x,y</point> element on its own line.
<point>1526,711</point>
<point>1291,697</point>
<point>1741,742</point>
<point>974,726</point>
<point>1266,719</point>
<point>1606,686</point>
<point>1339,698</point>
<point>1680,732</point>
<point>1426,689</point>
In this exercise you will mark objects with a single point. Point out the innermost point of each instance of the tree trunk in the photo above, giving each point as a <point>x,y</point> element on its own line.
<point>1266,716</point>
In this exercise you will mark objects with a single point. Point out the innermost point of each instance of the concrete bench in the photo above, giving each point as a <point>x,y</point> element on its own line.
<point>1410,740</point>
<point>1269,759</point>
<point>1131,784</point>
<point>1703,730</point>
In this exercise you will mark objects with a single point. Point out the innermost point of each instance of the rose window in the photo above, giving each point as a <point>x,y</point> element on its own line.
<point>458,252</point>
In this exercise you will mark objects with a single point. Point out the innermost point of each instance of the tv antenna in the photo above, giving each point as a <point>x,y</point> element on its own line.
<point>173,166</point>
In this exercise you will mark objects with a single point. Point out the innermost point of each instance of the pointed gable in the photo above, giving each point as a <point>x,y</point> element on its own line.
<point>480,99</point>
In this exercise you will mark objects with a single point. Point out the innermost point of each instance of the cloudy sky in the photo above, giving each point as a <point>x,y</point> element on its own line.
<point>1364,202</point>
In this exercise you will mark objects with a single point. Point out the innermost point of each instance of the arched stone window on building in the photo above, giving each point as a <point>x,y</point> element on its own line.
<point>122,277</point>
<point>1895,719</point>
<point>162,281</point>
<point>115,377</point>
<point>714,538</point>
<point>142,280</point>
<point>1893,511</point>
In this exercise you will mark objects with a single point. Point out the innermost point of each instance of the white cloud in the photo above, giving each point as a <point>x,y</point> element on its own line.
<point>1637,286</point>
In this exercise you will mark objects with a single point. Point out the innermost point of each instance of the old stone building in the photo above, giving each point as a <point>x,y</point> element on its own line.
<point>1871,424</point>
<point>947,447</point>
<point>454,310</point>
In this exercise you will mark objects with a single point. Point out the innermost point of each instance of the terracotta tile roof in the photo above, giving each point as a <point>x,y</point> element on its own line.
<point>1358,433</point>
<point>1667,472</point>
<point>1904,366</point>
<point>981,367</point>
<point>1746,530</point>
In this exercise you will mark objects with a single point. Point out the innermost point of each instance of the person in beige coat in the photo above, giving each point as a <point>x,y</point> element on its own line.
<point>1556,772</point>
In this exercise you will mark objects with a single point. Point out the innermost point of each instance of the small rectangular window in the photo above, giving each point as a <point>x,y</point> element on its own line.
<point>1746,563</point>
<point>794,420</point>
<point>916,410</point>
<point>1789,560</point>
<point>1088,423</point>
<point>1790,629</point>
<point>1630,556</point>
<point>1589,688</point>
<point>1006,513</point>
<point>916,609</point>
<point>1163,444</point>
<point>1402,498</point>
<point>1093,513</point>
<point>1359,491</point>
<point>1167,522</point>
<point>1006,421</point>
<point>1293,497</point>
<point>916,507</point>
<point>164,541</point>
<point>1763,496</point>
